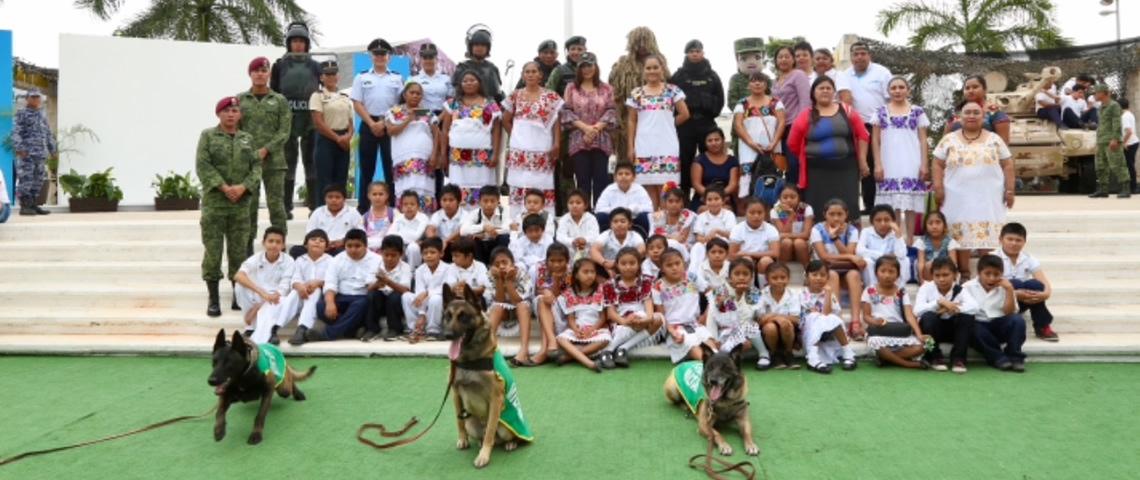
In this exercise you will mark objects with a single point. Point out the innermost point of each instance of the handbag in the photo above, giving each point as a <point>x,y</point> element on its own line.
<point>778,159</point>
<point>893,329</point>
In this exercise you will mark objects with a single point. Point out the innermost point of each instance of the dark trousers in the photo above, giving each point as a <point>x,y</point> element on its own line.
<point>691,137</point>
<point>1052,114</point>
<point>369,144</point>
<point>640,222</point>
<point>331,165</point>
<point>1130,161</point>
<point>869,185</point>
<point>989,336</point>
<point>956,329</point>
<point>302,136</point>
<point>1040,313</point>
<point>591,172</point>
<point>483,247</point>
<point>387,305</point>
<point>1070,119</point>
<point>351,311</point>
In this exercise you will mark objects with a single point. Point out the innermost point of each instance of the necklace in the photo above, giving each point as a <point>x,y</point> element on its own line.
<point>971,140</point>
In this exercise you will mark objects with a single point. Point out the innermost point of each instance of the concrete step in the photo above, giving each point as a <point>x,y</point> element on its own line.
<point>111,321</point>
<point>122,230</point>
<point>128,296</point>
<point>51,251</point>
<point>1091,222</point>
<point>104,272</point>
<point>1101,319</point>
<point>1111,243</point>
<point>1070,269</point>
<point>1095,292</point>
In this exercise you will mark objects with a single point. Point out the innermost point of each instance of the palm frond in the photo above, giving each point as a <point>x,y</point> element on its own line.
<point>911,15</point>
<point>103,9</point>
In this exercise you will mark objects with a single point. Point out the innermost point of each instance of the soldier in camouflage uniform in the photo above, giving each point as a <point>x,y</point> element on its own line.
<point>266,116</point>
<point>1109,147</point>
<point>230,173</point>
<point>33,142</point>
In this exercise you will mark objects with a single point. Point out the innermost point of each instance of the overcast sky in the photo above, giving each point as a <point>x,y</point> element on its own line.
<point>519,26</point>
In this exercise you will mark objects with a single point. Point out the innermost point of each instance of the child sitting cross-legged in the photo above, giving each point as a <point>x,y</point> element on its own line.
<point>735,309</point>
<point>578,228</point>
<point>423,309</point>
<point>263,282</point>
<point>394,279</point>
<point>584,305</point>
<point>347,283</point>
<point>308,282</point>
<point>946,312</point>
<point>893,333</point>
<point>629,309</point>
<point>510,289</point>
<point>824,337</point>
<point>410,225</point>
<point>677,297</point>
<point>551,277</point>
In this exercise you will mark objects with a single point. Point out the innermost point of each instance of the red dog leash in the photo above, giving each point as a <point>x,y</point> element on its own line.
<point>407,426</point>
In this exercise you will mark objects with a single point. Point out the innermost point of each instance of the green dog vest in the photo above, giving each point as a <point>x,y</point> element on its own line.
<point>688,377</point>
<point>270,359</point>
<point>512,414</point>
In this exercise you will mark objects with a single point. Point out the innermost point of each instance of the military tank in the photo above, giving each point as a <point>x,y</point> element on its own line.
<point>1044,157</point>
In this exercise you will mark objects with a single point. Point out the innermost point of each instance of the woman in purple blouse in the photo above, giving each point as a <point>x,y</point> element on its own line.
<point>589,116</point>
<point>793,90</point>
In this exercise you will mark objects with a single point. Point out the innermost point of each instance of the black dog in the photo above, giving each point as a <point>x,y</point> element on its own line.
<point>238,377</point>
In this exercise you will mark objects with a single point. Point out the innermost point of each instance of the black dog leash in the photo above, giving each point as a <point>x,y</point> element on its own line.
<point>407,426</point>
<point>153,426</point>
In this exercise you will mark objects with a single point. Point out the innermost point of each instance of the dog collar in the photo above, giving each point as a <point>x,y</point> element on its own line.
<point>484,364</point>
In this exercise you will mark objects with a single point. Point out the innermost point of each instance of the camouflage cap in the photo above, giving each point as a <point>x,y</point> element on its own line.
<point>748,44</point>
<point>1101,88</point>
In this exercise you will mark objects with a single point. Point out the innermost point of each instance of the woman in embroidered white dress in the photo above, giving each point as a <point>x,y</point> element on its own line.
<point>653,147</point>
<point>530,114</point>
<point>973,182</point>
<point>471,133</point>
<point>413,130</point>
<point>899,138</point>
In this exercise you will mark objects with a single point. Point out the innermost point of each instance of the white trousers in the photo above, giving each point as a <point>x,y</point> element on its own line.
<point>432,309</point>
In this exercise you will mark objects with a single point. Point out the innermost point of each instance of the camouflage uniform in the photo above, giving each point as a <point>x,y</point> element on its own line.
<point>224,159</point>
<point>1109,162</point>
<point>31,135</point>
<point>269,120</point>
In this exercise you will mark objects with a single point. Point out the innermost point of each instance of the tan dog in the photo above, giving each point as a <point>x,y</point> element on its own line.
<point>486,401</point>
<point>725,396</point>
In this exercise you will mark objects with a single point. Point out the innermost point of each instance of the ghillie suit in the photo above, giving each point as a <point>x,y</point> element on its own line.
<point>626,75</point>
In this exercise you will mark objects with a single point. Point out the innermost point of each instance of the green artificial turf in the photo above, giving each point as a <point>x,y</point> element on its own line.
<point>1057,421</point>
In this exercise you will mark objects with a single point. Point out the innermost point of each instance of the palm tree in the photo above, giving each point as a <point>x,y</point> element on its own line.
<point>222,21</point>
<point>975,25</point>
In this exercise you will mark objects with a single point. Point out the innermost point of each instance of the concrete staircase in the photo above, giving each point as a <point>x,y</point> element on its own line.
<point>129,282</point>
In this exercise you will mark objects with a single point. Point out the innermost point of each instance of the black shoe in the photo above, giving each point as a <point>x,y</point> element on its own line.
<point>288,215</point>
<point>605,360</point>
<point>621,358</point>
<point>313,335</point>
<point>27,211</point>
<point>1018,367</point>
<point>850,365</point>
<point>1004,365</point>
<point>824,369</point>
<point>298,337</point>
<point>40,210</point>
<point>213,309</point>
<point>273,340</point>
<point>504,189</point>
<point>1099,194</point>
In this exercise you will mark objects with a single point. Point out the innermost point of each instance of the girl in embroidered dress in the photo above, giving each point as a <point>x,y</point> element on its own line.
<point>781,318</point>
<point>652,128</point>
<point>530,115</point>
<point>629,308</point>
<point>471,134</point>
<point>893,333</point>
<point>824,339</point>
<point>934,244</point>
<point>584,305</point>
<point>898,138</point>
<point>833,242</point>
<point>758,121</point>
<point>674,221</point>
<point>793,219</point>
<point>677,297</point>
<point>378,218</point>
<point>735,309</point>
<point>414,131</point>
<point>551,277</point>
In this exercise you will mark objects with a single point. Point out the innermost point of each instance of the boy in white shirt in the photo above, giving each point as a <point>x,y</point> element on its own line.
<point>486,224</point>
<point>946,312</point>
<point>755,238</point>
<point>997,321</point>
<point>530,248</point>
<point>605,247</point>
<point>394,279</point>
<point>578,228</point>
<point>262,283</point>
<point>1028,278</point>
<point>423,310</point>
<point>347,283</point>
<point>626,194</point>
<point>410,226</point>
<point>446,221</point>
<point>715,222</point>
<point>466,272</point>
<point>534,203</point>
<point>334,219</point>
<point>308,281</point>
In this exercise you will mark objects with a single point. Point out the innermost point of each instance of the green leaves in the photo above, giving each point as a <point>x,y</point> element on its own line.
<point>175,186</point>
<point>218,21</point>
<point>975,25</point>
<point>96,185</point>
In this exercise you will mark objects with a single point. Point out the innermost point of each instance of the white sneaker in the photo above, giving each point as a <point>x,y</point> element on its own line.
<point>959,367</point>
<point>939,367</point>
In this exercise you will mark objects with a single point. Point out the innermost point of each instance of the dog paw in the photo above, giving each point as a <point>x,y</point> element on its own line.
<point>510,446</point>
<point>726,450</point>
<point>483,459</point>
<point>462,444</point>
<point>219,433</point>
<point>752,450</point>
<point>254,438</point>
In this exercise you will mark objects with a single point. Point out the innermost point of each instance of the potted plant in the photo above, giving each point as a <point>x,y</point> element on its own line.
<point>91,193</point>
<point>176,192</point>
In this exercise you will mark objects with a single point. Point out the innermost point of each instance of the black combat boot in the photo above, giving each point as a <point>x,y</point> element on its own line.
<point>212,308</point>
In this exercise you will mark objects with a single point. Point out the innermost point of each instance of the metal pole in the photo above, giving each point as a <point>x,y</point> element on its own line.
<point>1118,24</point>
<point>568,18</point>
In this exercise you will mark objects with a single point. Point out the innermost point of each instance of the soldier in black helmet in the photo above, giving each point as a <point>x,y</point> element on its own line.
<point>478,49</point>
<point>296,76</point>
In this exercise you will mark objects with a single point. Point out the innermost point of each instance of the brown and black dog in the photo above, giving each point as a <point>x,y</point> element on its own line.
<point>478,392</point>
<point>237,378</point>
<point>725,399</point>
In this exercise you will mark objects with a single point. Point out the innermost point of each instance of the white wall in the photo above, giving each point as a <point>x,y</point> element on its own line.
<point>147,100</point>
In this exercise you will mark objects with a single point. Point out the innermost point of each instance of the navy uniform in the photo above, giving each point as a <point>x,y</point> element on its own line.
<point>225,159</point>
<point>33,142</point>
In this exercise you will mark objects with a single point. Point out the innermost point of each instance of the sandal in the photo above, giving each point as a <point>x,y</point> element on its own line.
<point>790,361</point>
<point>520,363</point>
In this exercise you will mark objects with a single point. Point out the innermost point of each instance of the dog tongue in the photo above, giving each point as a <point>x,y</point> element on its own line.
<point>714,393</point>
<point>220,390</point>
<point>453,352</point>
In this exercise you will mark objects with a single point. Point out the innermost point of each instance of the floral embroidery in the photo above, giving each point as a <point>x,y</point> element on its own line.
<point>813,303</point>
<point>541,109</point>
<point>400,113</point>
<point>902,185</point>
<point>472,157</point>
<point>544,279</point>
<point>670,292</point>
<point>665,164</point>
<point>759,110</point>
<point>470,195</point>
<point>784,214</point>
<point>535,161</point>
<point>412,166</point>
<point>661,225</point>
<point>574,300</point>
<point>618,293</point>
<point>909,121</point>
<point>665,101</point>
<point>485,112</point>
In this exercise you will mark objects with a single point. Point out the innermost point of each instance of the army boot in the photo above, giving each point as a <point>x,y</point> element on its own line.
<point>212,308</point>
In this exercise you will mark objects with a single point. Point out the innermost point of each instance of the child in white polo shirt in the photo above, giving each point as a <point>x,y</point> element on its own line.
<point>466,272</point>
<point>308,284</point>
<point>1028,279</point>
<point>446,221</point>
<point>486,224</point>
<point>410,226</point>
<point>423,310</point>
<point>394,279</point>
<point>755,238</point>
<point>347,282</point>
<point>530,248</point>
<point>334,219</point>
<point>715,222</point>
<point>997,321</point>
<point>578,228</point>
<point>262,283</point>
<point>623,193</point>
<point>605,247</point>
